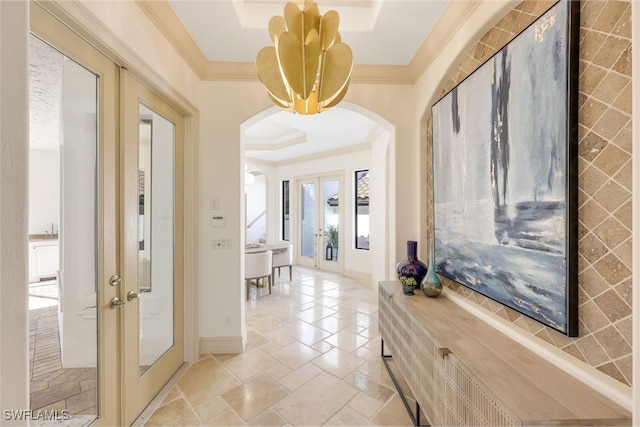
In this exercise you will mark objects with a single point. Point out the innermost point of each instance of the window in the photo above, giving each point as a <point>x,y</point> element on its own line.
<point>285,210</point>
<point>362,209</point>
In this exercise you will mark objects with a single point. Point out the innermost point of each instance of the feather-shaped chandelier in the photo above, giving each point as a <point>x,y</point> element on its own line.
<point>308,68</point>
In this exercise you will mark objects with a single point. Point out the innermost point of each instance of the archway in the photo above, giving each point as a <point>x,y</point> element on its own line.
<point>377,145</point>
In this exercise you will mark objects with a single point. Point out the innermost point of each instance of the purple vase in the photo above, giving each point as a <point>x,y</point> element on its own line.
<point>412,266</point>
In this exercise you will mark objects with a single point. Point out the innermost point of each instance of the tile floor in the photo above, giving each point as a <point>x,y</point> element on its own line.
<point>312,358</point>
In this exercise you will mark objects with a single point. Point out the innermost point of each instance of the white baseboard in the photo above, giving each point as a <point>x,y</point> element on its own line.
<point>359,275</point>
<point>223,345</point>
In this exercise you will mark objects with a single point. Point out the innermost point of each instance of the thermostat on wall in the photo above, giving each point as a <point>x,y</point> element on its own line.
<point>218,221</point>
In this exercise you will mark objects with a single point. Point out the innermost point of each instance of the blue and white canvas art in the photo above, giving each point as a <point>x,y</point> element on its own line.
<point>503,153</point>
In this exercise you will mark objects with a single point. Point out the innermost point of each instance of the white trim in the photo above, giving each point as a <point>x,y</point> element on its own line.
<point>359,275</point>
<point>162,394</point>
<point>222,345</point>
<point>587,374</point>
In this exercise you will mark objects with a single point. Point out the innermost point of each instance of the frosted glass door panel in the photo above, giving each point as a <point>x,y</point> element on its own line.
<point>308,221</point>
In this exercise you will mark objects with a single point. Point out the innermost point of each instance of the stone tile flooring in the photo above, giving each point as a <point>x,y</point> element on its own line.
<point>53,387</point>
<point>312,358</point>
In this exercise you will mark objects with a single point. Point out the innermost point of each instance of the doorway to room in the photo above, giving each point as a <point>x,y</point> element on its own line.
<point>286,147</point>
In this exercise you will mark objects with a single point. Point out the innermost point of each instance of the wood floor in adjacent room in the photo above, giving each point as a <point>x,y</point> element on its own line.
<point>53,387</point>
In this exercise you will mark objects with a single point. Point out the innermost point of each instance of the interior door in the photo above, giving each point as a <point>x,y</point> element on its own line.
<point>153,240</point>
<point>83,118</point>
<point>319,220</point>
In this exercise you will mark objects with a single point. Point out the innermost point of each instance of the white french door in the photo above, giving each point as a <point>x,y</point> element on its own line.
<point>121,223</point>
<point>318,222</point>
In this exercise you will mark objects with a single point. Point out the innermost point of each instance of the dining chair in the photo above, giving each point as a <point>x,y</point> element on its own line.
<point>256,267</point>
<point>282,258</point>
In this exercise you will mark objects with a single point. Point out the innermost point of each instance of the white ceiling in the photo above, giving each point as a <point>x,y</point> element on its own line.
<point>284,135</point>
<point>379,32</point>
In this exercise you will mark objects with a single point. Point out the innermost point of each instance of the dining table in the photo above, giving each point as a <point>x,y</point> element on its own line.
<point>255,248</point>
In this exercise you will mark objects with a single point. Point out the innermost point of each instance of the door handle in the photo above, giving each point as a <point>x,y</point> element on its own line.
<point>131,295</point>
<point>116,303</point>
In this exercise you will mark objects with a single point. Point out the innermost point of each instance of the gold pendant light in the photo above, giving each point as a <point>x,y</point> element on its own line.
<point>308,68</point>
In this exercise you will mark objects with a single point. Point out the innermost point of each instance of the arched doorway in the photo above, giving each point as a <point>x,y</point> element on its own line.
<point>286,147</point>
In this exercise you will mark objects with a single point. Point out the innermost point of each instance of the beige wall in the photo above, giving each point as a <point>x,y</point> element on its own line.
<point>126,32</point>
<point>605,311</point>
<point>14,344</point>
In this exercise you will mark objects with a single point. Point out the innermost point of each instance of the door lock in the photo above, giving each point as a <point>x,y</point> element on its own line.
<point>131,295</point>
<point>115,280</point>
<point>116,302</point>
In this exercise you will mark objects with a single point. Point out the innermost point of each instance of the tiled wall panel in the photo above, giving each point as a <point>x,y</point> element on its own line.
<point>604,182</point>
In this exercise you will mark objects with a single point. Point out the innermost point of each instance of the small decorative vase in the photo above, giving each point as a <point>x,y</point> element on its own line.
<point>412,266</point>
<point>431,284</point>
<point>409,285</point>
<point>328,252</point>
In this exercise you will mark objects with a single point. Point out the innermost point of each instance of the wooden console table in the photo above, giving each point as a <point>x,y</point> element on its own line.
<point>462,371</point>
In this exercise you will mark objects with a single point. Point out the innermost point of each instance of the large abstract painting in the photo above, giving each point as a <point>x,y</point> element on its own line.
<point>505,174</point>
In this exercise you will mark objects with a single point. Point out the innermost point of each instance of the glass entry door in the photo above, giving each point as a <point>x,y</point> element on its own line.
<point>73,154</point>
<point>120,229</point>
<point>319,222</point>
<point>153,345</point>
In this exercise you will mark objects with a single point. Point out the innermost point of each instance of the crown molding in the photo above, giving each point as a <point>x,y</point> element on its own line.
<point>451,20</point>
<point>455,15</point>
<point>325,154</point>
<point>273,147</point>
<point>261,162</point>
<point>164,18</point>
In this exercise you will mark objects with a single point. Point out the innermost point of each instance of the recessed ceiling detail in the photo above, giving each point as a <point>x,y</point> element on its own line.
<point>379,32</point>
<point>334,130</point>
<point>265,145</point>
<point>358,15</point>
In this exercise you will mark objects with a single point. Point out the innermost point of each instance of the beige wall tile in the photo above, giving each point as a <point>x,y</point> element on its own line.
<point>610,87</point>
<point>590,43</point>
<point>591,314</point>
<point>614,307</point>
<point>611,232</point>
<point>612,370</point>
<point>591,214</point>
<point>605,215</point>
<point>612,269</point>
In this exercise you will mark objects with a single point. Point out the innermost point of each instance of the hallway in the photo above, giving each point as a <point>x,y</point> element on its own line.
<point>312,358</point>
